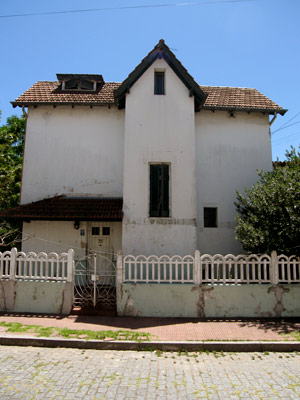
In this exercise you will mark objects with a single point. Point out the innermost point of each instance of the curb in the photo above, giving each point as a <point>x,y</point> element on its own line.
<point>250,346</point>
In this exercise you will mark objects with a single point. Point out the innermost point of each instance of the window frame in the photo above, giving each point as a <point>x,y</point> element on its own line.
<point>165,211</point>
<point>206,218</point>
<point>79,88</point>
<point>159,86</point>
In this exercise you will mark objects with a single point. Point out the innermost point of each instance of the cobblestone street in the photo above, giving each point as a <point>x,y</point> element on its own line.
<point>43,373</point>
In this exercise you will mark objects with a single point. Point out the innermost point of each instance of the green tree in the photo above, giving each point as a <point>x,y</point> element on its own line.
<point>11,159</point>
<point>268,215</point>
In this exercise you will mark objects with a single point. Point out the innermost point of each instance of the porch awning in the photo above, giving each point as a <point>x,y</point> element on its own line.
<point>62,208</point>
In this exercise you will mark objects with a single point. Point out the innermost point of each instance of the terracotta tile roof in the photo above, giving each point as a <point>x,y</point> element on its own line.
<point>48,92</point>
<point>237,98</point>
<point>226,98</point>
<point>61,208</point>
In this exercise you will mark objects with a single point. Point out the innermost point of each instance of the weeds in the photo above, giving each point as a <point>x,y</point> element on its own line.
<point>40,331</point>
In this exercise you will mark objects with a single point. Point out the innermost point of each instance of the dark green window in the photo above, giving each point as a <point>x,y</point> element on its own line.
<point>210,217</point>
<point>159,82</point>
<point>159,190</point>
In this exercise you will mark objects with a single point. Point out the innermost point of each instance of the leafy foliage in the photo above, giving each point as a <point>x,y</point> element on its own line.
<point>269,214</point>
<point>11,158</point>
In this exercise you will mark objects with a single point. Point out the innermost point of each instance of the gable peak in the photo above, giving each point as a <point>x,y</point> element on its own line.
<point>161,50</point>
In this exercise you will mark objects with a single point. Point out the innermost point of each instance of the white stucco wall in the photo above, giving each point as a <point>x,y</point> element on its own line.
<point>60,236</point>
<point>36,296</point>
<point>77,151</point>
<point>107,152</point>
<point>209,301</point>
<point>159,128</point>
<point>229,152</point>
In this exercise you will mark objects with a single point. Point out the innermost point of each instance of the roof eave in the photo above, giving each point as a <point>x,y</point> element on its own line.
<point>69,218</point>
<point>272,111</point>
<point>60,103</point>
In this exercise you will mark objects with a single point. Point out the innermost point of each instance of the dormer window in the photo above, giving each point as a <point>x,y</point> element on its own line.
<point>159,82</point>
<point>80,82</point>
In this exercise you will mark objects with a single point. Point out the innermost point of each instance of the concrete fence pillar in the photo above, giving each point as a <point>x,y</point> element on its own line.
<point>119,271</point>
<point>197,269</point>
<point>274,268</point>
<point>70,266</point>
<point>13,261</point>
<point>68,293</point>
<point>119,280</point>
<point>8,286</point>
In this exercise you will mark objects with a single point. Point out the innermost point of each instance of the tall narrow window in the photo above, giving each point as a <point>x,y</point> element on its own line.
<point>159,190</point>
<point>159,82</point>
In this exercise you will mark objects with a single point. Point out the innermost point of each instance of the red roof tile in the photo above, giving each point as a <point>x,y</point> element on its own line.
<point>61,208</point>
<point>48,92</point>
<point>227,98</point>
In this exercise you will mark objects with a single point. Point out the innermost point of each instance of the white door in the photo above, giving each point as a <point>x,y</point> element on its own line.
<point>99,243</point>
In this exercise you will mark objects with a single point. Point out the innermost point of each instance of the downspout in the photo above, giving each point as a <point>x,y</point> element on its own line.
<point>271,122</point>
<point>25,114</point>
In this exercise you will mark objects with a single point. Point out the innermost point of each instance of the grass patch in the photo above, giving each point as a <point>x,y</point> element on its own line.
<point>295,334</point>
<point>41,331</point>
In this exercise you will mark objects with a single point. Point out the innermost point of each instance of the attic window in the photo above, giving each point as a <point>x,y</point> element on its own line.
<point>79,84</point>
<point>159,82</point>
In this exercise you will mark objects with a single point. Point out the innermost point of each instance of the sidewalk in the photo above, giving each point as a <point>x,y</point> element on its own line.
<point>169,329</point>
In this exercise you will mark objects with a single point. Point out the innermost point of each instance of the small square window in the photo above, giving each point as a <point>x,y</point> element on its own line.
<point>159,82</point>
<point>95,230</point>
<point>210,217</point>
<point>82,232</point>
<point>106,231</point>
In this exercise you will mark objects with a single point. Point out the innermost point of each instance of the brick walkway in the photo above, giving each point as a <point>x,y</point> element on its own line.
<point>169,328</point>
<point>62,374</point>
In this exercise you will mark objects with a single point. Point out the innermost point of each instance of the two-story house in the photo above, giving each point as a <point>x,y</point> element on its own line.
<point>150,165</point>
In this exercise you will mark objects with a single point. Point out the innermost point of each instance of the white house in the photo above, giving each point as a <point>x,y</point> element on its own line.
<point>150,165</point>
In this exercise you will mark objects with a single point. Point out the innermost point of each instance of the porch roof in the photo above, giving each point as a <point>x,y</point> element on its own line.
<point>62,208</point>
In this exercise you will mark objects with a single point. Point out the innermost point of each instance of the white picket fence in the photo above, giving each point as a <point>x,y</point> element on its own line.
<point>16,265</point>
<point>207,269</point>
<point>198,269</point>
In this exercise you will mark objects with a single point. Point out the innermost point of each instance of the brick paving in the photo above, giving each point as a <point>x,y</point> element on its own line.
<point>174,329</point>
<point>62,374</point>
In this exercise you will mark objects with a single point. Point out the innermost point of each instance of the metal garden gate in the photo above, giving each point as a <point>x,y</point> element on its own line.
<point>95,283</point>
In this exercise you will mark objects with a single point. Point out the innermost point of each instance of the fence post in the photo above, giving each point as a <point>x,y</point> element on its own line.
<point>13,260</point>
<point>70,265</point>
<point>119,274</point>
<point>119,281</point>
<point>274,268</point>
<point>197,269</point>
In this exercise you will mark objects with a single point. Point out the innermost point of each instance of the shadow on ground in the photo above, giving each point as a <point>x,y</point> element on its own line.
<point>280,325</point>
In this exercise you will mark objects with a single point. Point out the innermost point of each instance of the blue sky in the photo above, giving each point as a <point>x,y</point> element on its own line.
<point>221,43</point>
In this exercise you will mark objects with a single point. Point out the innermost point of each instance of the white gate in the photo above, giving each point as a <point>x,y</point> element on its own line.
<point>95,277</point>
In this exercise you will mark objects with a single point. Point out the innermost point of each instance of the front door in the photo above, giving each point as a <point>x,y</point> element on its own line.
<point>95,273</point>
<point>99,244</point>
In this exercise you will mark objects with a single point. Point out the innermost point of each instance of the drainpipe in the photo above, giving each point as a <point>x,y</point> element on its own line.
<point>273,119</point>
<point>271,122</point>
<point>25,114</point>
